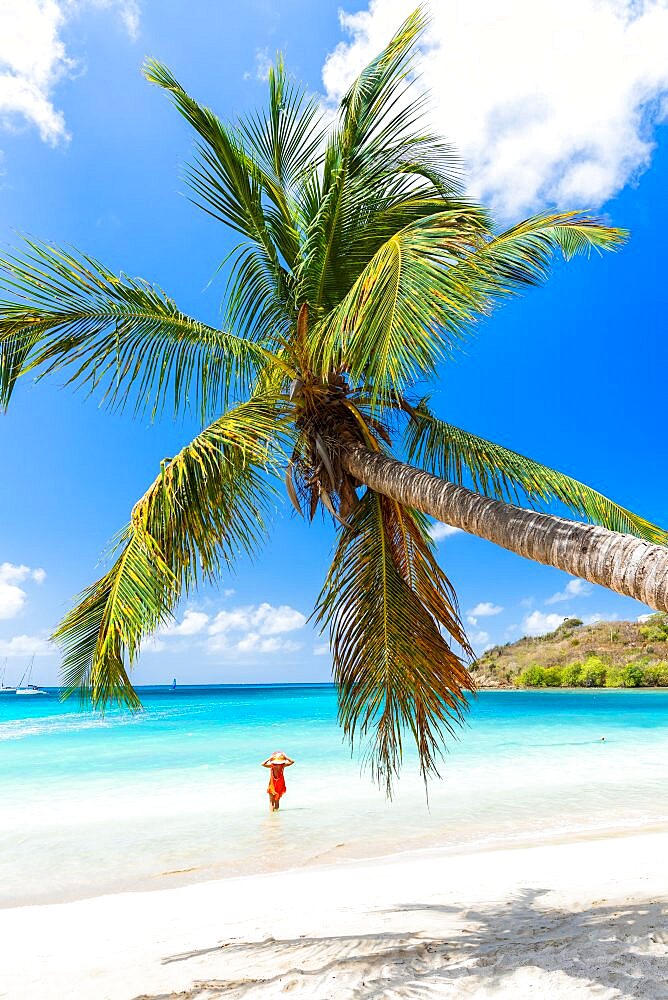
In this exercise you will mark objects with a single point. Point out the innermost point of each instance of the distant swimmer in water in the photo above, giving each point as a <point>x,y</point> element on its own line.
<point>277,763</point>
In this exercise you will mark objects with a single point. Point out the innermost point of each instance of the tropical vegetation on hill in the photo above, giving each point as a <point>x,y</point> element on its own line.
<point>361,267</point>
<point>603,654</point>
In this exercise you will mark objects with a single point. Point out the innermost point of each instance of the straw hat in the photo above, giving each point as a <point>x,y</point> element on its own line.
<point>278,757</point>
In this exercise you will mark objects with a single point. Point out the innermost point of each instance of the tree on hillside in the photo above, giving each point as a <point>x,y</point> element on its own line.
<point>361,266</point>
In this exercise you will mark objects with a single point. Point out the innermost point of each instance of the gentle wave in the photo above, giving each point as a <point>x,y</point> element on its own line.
<point>17,729</point>
<point>73,722</point>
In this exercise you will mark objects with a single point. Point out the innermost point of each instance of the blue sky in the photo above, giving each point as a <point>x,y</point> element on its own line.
<point>572,374</point>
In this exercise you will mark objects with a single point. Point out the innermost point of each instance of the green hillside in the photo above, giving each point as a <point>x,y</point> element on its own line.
<point>606,654</point>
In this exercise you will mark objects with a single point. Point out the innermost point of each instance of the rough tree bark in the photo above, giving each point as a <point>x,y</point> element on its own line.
<point>620,562</point>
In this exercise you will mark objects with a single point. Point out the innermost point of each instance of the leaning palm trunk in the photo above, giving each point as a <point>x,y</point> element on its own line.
<point>618,561</point>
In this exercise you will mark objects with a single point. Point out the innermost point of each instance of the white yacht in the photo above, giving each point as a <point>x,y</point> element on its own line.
<point>28,688</point>
<point>3,688</point>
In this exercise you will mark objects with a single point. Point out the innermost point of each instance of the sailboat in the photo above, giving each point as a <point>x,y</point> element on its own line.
<point>3,689</point>
<point>29,688</point>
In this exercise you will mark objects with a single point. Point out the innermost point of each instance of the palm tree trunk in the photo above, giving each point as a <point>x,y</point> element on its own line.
<point>620,562</point>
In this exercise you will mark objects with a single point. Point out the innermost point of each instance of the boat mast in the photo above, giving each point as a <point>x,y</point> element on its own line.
<point>28,671</point>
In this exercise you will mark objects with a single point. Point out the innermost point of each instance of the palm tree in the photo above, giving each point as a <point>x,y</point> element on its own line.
<point>360,267</point>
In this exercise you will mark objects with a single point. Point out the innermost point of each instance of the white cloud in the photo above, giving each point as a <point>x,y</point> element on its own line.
<point>254,643</point>
<point>33,59</point>
<point>13,573</point>
<point>251,643</point>
<point>548,103</point>
<point>229,621</point>
<point>238,632</point>
<point>600,616</point>
<point>254,629</point>
<point>574,588</point>
<point>480,640</point>
<point>440,531</point>
<point>26,645</point>
<point>262,64</point>
<point>263,618</point>
<point>12,600</point>
<point>538,623</point>
<point>130,12</point>
<point>485,609</point>
<point>280,619</point>
<point>321,650</point>
<point>191,623</point>
<point>13,597</point>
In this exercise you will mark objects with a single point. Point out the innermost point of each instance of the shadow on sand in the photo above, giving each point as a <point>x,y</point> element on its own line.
<point>604,951</point>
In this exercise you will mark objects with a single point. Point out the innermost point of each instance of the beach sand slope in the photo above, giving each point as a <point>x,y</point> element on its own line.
<point>561,922</point>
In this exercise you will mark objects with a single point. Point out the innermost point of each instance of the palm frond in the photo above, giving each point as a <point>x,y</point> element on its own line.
<point>17,340</point>
<point>387,603</point>
<point>254,307</point>
<point>225,178</point>
<point>425,287</point>
<point>286,139</point>
<point>230,183</point>
<point>409,307</point>
<point>522,255</point>
<point>286,143</point>
<point>375,155</point>
<point>205,508</point>
<point>498,472</point>
<point>116,335</point>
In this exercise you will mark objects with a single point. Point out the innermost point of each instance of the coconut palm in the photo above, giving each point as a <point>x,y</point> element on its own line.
<point>360,268</point>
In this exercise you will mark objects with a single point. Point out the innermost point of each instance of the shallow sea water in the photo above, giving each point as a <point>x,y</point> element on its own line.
<point>94,804</point>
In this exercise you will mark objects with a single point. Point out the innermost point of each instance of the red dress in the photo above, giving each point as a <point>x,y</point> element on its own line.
<point>277,781</point>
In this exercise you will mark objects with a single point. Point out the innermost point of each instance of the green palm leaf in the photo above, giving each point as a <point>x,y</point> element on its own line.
<point>424,288</point>
<point>386,603</point>
<point>225,177</point>
<point>205,508</point>
<point>409,307</point>
<point>231,185</point>
<point>375,158</point>
<point>522,254</point>
<point>286,144</point>
<point>120,336</point>
<point>495,471</point>
<point>287,138</point>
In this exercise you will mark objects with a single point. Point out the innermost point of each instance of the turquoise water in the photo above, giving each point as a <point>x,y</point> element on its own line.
<point>94,804</point>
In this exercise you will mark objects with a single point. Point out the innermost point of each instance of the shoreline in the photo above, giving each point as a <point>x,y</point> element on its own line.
<point>578,918</point>
<point>328,861</point>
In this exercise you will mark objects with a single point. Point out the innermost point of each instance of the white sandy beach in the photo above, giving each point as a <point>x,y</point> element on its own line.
<point>571,920</point>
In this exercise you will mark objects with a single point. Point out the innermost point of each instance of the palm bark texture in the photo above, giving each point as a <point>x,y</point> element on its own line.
<point>360,268</point>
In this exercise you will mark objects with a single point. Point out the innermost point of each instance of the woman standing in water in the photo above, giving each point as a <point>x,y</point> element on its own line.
<point>277,762</point>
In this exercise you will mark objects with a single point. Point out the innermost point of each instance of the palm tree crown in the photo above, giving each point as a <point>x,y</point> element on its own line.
<point>360,267</point>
